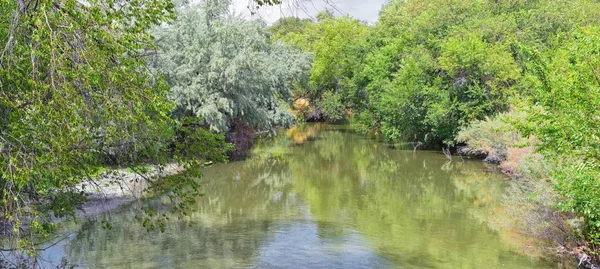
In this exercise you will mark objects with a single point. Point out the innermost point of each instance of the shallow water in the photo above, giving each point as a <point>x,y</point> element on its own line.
<point>319,196</point>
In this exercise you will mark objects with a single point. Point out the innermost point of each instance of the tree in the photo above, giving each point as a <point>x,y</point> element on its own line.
<point>288,25</point>
<point>335,43</point>
<point>224,69</point>
<point>565,120</point>
<point>432,67</point>
<point>75,95</point>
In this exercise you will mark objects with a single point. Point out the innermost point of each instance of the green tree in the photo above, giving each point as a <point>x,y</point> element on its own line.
<point>567,94</point>
<point>74,96</point>
<point>288,25</point>
<point>335,43</point>
<point>432,67</point>
<point>332,107</point>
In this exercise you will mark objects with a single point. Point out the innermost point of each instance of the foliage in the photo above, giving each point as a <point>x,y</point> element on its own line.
<point>192,141</point>
<point>224,69</point>
<point>531,199</point>
<point>531,205</point>
<point>76,93</point>
<point>566,122</point>
<point>335,43</point>
<point>332,107</point>
<point>432,67</point>
<point>74,96</point>
<point>288,25</point>
<point>493,137</point>
<point>267,2</point>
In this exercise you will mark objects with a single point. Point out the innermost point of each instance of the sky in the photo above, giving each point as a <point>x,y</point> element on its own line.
<point>364,10</point>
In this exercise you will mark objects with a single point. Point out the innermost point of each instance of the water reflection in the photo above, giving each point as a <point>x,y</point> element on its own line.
<point>320,197</point>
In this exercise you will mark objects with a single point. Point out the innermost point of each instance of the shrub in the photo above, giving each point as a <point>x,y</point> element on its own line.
<point>494,137</point>
<point>332,107</point>
<point>566,122</point>
<point>531,205</point>
<point>224,69</point>
<point>531,201</point>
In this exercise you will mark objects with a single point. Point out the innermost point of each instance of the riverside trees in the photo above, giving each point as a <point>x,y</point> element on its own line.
<point>335,43</point>
<point>435,66</point>
<point>222,68</point>
<point>566,120</point>
<point>429,69</point>
<point>73,95</point>
<point>76,94</point>
<point>226,71</point>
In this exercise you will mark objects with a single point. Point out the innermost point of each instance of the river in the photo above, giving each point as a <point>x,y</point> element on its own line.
<point>318,196</point>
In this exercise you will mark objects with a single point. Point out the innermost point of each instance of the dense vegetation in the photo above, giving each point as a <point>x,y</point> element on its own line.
<point>504,77</point>
<point>335,43</point>
<point>88,84</point>
<point>78,93</point>
<point>565,120</point>
<point>224,70</point>
<point>73,98</point>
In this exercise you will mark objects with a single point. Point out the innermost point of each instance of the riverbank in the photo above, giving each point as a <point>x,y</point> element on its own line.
<point>531,200</point>
<point>114,188</point>
<point>330,193</point>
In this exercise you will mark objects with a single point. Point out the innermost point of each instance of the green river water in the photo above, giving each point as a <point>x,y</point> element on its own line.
<point>319,196</point>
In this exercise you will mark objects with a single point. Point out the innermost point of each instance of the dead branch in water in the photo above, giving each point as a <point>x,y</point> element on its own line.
<point>416,145</point>
<point>447,153</point>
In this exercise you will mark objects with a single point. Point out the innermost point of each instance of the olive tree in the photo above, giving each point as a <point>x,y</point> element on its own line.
<point>225,70</point>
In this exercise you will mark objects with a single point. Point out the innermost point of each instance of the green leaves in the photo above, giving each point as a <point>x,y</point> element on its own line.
<point>335,44</point>
<point>468,64</point>
<point>332,107</point>
<point>75,94</point>
<point>566,121</point>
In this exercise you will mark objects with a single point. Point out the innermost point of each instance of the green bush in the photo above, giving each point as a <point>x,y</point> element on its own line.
<point>567,91</point>
<point>332,107</point>
<point>531,200</point>
<point>432,67</point>
<point>223,83</point>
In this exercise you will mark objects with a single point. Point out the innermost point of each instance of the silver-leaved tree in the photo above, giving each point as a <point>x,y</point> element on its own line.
<point>225,70</point>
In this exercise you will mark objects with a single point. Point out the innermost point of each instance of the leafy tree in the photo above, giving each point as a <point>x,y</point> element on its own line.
<point>332,107</point>
<point>288,25</point>
<point>433,66</point>
<point>74,95</point>
<point>224,69</point>
<point>335,43</point>
<point>567,90</point>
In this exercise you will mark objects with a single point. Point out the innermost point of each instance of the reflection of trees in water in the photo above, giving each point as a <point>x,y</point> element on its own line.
<point>184,246</point>
<point>232,220</point>
<point>412,208</point>
<point>415,208</point>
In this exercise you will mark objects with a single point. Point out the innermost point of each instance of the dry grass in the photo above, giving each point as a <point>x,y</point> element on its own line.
<point>515,157</point>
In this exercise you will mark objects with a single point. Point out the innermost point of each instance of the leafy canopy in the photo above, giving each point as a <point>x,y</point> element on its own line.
<point>75,95</point>
<point>566,120</point>
<point>432,66</point>
<point>224,69</point>
<point>335,44</point>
